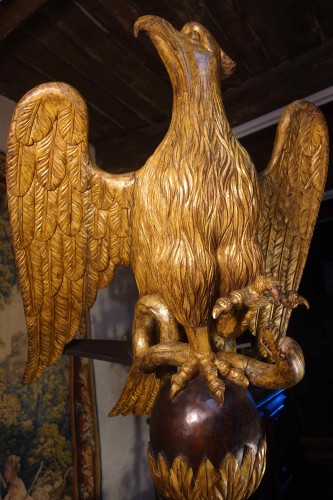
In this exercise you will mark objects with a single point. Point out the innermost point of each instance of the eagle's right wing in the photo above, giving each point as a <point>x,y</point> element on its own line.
<point>70,220</point>
<point>291,190</point>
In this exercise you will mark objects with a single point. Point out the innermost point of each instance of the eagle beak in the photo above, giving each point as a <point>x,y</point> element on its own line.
<point>168,42</point>
<point>160,31</point>
<point>145,23</point>
<point>152,24</point>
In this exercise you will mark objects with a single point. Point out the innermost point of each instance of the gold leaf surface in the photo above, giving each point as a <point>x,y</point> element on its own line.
<point>291,191</point>
<point>59,206</point>
<point>231,481</point>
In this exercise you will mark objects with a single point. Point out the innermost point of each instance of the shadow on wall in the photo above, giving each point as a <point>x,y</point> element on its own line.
<point>134,480</point>
<point>125,473</point>
<point>112,315</point>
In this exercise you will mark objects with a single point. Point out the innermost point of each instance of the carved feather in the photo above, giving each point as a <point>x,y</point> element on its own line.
<point>46,208</point>
<point>292,187</point>
<point>65,216</point>
<point>52,253</point>
<point>139,393</point>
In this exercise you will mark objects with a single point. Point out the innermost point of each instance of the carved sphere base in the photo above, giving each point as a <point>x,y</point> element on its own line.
<point>200,450</point>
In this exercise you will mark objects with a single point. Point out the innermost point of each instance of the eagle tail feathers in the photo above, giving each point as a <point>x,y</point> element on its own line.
<point>139,393</point>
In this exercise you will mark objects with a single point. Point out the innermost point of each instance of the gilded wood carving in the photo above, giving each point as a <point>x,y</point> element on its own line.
<point>215,247</point>
<point>179,482</point>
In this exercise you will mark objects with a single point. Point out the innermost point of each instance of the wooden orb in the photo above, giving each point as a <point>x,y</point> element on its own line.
<point>194,426</point>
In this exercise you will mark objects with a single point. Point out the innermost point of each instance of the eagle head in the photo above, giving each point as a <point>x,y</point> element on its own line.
<point>191,56</point>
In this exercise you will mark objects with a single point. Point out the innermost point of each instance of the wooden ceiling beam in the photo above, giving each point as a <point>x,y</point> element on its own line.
<point>15,12</point>
<point>19,77</point>
<point>130,152</point>
<point>291,80</point>
<point>98,43</point>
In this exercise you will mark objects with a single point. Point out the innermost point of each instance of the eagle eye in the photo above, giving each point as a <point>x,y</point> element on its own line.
<point>194,36</point>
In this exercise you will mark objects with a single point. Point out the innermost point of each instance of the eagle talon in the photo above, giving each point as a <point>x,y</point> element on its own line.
<point>198,364</point>
<point>234,374</point>
<point>263,291</point>
<point>223,305</point>
<point>291,300</point>
<point>179,380</point>
<point>211,368</point>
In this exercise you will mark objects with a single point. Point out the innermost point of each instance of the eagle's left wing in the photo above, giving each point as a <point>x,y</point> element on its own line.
<point>71,222</point>
<point>291,190</point>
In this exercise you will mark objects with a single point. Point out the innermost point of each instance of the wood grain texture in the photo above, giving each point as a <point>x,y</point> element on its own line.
<point>291,193</point>
<point>26,77</point>
<point>70,222</point>
<point>15,13</point>
<point>211,243</point>
<point>215,249</point>
<point>104,49</point>
<point>102,54</point>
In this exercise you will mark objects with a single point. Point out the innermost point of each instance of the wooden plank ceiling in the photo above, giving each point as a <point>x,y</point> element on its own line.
<point>283,50</point>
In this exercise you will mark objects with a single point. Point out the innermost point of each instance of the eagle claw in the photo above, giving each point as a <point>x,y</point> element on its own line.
<point>265,290</point>
<point>223,305</point>
<point>211,368</point>
<point>291,300</point>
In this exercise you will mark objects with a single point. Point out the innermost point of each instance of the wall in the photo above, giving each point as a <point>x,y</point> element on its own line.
<point>125,474</point>
<point>6,110</point>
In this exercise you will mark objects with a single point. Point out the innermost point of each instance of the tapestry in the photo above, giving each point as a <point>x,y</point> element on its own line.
<point>49,444</point>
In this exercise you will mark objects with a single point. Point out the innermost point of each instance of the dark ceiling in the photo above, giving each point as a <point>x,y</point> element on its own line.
<point>283,50</point>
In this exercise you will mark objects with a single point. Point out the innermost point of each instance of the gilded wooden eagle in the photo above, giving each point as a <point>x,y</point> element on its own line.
<point>215,247</point>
